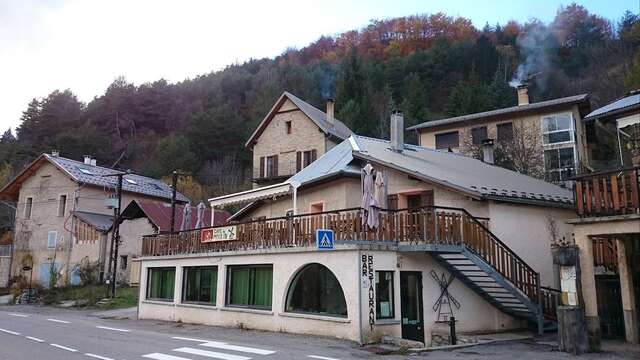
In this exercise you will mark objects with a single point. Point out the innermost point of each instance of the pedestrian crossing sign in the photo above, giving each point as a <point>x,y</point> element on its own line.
<point>324,239</point>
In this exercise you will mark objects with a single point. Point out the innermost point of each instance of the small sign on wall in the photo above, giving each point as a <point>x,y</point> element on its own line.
<point>224,233</point>
<point>568,286</point>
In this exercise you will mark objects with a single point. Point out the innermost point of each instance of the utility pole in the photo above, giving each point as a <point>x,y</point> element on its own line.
<point>174,185</point>
<point>115,236</point>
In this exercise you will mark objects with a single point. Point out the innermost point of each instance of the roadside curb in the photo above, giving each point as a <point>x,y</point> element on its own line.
<point>461,346</point>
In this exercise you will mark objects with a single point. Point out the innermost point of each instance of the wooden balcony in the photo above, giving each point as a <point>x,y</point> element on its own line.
<point>608,193</point>
<point>415,227</point>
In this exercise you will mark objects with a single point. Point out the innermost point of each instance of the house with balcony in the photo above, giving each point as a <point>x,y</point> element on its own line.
<point>550,134</point>
<point>291,136</point>
<point>607,227</point>
<point>452,236</point>
<point>65,210</point>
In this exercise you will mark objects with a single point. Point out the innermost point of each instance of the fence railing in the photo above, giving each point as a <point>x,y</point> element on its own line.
<point>608,193</point>
<point>427,225</point>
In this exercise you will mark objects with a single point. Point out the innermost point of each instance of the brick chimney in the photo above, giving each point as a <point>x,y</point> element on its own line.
<point>330,111</point>
<point>523,94</point>
<point>397,131</point>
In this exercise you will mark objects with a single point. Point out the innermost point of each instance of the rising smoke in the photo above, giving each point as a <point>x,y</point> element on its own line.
<point>534,43</point>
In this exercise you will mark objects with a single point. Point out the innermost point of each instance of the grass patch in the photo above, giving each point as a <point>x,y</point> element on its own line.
<point>125,296</point>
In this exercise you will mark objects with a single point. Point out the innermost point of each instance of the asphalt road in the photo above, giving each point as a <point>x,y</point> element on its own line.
<point>46,333</point>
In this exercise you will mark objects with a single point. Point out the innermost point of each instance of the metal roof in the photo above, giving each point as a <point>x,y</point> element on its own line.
<point>626,103</point>
<point>504,111</point>
<point>452,170</point>
<point>101,222</point>
<point>95,175</point>
<point>338,129</point>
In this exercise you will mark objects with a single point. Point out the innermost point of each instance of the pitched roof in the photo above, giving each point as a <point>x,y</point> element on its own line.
<point>93,175</point>
<point>465,174</point>
<point>504,111</point>
<point>160,214</point>
<point>338,130</point>
<point>101,222</point>
<point>629,102</point>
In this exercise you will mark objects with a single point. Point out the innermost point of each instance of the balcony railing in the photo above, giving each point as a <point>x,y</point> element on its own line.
<point>605,254</point>
<point>424,226</point>
<point>608,193</point>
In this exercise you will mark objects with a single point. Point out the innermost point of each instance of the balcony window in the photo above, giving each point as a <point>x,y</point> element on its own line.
<point>478,135</point>
<point>305,158</point>
<point>384,295</point>
<point>200,284</point>
<point>559,164</point>
<point>315,290</point>
<point>160,283</point>
<point>504,132</point>
<point>557,129</point>
<point>250,286</point>
<point>448,140</point>
<point>269,166</point>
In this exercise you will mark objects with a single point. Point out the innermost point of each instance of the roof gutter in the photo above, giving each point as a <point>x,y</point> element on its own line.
<point>473,194</point>
<point>535,202</point>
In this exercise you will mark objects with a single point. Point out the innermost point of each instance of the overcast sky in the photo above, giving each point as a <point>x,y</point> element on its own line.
<point>83,45</point>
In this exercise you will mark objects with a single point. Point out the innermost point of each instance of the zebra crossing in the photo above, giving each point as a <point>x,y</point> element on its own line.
<point>211,350</point>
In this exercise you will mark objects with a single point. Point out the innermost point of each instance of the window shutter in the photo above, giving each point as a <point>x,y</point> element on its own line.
<point>298,161</point>
<point>314,155</point>
<point>426,198</point>
<point>261,167</point>
<point>392,201</point>
<point>275,165</point>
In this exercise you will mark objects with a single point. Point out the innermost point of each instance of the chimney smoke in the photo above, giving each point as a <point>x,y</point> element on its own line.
<point>330,111</point>
<point>397,131</point>
<point>488,151</point>
<point>523,95</point>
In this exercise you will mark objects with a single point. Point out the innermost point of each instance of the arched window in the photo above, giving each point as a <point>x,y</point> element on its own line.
<point>315,290</point>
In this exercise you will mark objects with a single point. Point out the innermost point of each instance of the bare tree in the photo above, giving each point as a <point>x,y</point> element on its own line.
<point>224,175</point>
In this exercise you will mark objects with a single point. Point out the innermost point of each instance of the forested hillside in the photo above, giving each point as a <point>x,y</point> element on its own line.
<point>429,66</point>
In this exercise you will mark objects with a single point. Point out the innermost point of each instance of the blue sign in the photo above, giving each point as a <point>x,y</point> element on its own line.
<point>324,239</point>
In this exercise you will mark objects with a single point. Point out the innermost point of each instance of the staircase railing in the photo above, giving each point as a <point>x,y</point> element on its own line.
<point>550,302</point>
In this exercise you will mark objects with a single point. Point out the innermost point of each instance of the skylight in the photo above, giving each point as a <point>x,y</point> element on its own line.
<point>86,171</point>
<point>132,182</point>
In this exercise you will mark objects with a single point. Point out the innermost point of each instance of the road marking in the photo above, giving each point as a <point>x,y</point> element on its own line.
<point>225,346</point>
<point>211,354</point>
<point>59,321</point>
<point>321,357</point>
<point>18,315</point>
<point>189,339</point>
<point>159,356</point>
<point>63,347</point>
<point>34,338</point>
<point>98,356</point>
<point>10,332</point>
<point>112,329</point>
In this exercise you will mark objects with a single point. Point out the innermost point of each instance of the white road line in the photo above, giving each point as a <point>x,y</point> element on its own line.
<point>98,356</point>
<point>211,354</point>
<point>18,315</point>
<point>112,329</point>
<point>225,346</point>
<point>64,347</point>
<point>159,356</point>
<point>59,321</point>
<point>321,357</point>
<point>10,332</point>
<point>34,338</point>
<point>189,339</point>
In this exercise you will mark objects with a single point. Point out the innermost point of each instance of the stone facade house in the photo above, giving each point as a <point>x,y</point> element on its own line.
<point>548,136</point>
<point>64,215</point>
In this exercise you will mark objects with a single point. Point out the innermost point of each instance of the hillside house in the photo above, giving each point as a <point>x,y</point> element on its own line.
<point>607,227</point>
<point>292,136</point>
<point>552,129</point>
<point>63,215</point>
<point>448,219</point>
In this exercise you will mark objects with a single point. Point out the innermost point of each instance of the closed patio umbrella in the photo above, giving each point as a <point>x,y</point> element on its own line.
<point>370,213</point>
<point>200,222</point>
<point>186,218</point>
<point>380,190</point>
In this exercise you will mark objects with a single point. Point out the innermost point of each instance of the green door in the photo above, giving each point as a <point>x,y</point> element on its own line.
<point>411,305</point>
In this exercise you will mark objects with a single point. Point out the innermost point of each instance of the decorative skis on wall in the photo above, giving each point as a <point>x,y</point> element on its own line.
<point>446,302</point>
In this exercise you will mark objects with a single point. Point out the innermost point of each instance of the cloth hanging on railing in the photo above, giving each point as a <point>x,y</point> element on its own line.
<point>369,204</point>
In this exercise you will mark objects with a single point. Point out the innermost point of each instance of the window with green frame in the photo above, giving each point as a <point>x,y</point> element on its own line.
<point>160,283</point>
<point>384,295</point>
<point>250,286</point>
<point>199,284</point>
